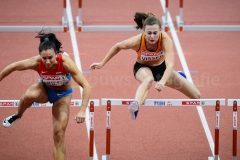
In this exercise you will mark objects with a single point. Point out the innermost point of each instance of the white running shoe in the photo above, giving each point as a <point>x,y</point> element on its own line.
<point>8,122</point>
<point>133,108</point>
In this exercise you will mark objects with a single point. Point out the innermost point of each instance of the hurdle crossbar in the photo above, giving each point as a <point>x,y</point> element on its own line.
<point>15,103</point>
<point>108,28</point>
<point>22,28</point>
<point>166,102</point>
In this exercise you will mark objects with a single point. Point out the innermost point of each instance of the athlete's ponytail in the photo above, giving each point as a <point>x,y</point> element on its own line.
<point>51,37</point>
<point>143,19</point>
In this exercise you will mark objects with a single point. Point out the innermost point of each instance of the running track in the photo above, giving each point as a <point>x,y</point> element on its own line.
<point>158,133</point>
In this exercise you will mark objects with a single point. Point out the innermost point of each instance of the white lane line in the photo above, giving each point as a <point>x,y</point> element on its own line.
<point>186,71</point>
<point>78,62</point>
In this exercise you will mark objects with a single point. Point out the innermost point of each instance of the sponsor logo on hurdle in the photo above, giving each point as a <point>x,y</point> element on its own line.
<point>91,121</point>
<point>16,103</point>
<point>35,104</point>
<point>234,120</point>
<point>169,103</point>
<point>202,103</point>
<point>217,119</point>
<point>159,103</point>
<point>7,104</point>
<point>190,102</point>
<point>48,104</point>
<point>108,120</point>
<point>76,103</point>
<point>126,102</point>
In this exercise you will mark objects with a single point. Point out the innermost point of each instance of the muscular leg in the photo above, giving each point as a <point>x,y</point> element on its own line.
<point>35,93</point>
<point>181,84</point>
<point>145,77</point>
<point>60,117</point>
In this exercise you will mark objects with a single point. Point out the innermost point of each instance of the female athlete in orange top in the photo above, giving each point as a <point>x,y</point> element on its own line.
<point>155,61</point>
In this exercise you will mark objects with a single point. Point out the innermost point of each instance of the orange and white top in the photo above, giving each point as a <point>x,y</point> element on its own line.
<point>145,55</point>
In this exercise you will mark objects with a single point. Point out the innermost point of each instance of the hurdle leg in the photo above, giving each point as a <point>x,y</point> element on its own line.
<point>79,17</point>
<point>234,130</point>
<point>108,132</point>
<point>91,130</point>
<point>217,122</point>
<point>165,17</point>
<point>179,18</point>
<point>64,18</point>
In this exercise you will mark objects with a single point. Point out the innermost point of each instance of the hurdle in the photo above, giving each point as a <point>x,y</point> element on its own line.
<point>234,103</point>
<point>100,28</point>
<point>151,103</point>
<point>194,28</point>
<point>74,103</point>
<point>15,103</point>
<point>21,28</point>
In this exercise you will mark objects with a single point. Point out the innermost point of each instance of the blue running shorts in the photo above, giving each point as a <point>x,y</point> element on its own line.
<point>55,95</point>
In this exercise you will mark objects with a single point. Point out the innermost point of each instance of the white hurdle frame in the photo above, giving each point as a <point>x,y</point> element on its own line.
<point>100,28</point>
<point>74,103</point>
<point>21,28</point>
<point>194,28</point>
<point>166,102</point>
<point>152,102</point>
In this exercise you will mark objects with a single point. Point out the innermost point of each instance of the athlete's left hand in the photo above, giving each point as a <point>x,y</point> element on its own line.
<point>159,86</point>
<point>80,117</point>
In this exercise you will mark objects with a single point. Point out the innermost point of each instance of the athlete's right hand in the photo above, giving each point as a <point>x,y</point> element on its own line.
<point>96,66</point>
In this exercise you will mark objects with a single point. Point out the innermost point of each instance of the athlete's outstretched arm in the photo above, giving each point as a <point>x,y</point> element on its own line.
<point>71,67</point>
<point>31,63</point>
<point>169,60</point>
<point>131,43</point>
<point>169,56</point>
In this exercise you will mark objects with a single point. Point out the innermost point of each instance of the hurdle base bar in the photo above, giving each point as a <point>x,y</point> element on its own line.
<point>31,28</point>
<point>108,28</point>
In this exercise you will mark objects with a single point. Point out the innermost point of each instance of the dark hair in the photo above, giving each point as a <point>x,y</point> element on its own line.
<point>143,19</point>
<point>48,41</point>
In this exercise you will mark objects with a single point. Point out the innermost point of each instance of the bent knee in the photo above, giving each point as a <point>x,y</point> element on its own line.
<point>30,95</point>
<point>58,135</point>
<point>196,95</point>
<point>148,81</point>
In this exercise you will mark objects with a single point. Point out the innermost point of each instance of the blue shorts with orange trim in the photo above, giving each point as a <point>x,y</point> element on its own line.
<point>55,95</point>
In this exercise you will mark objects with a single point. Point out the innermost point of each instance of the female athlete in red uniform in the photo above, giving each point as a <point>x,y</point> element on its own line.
<point>56,70</point>
<point>155,61</point>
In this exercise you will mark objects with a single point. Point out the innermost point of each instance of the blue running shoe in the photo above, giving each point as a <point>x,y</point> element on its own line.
<point>133,108</point>
<point>182,74</point>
